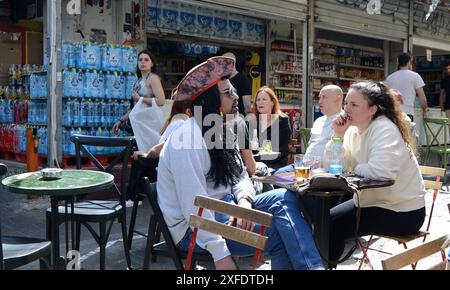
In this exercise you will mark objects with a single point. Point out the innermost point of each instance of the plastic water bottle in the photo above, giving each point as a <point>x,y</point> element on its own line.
<point>90,114</point>
<point>334,156</point>
<point>254,144</point>
<point>67,113</point>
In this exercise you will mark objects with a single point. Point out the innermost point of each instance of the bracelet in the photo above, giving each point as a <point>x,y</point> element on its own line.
<point>248,198</point>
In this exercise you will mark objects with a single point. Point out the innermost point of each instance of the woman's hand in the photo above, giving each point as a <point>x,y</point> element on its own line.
<point>137,154</point>
<point>135,96</point>
<point>241,223</point>
<point>340,125</point>
<point>116,127</point>
<point>226,263</point>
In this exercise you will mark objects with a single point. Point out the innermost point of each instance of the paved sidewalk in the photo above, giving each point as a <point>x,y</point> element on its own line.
<point>27,217</point>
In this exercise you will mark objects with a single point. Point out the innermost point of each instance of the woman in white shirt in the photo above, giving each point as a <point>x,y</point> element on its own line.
<point>195,162</point>
<point>378,145</point>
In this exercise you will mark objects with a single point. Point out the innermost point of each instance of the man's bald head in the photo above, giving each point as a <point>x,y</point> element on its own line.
<point>330,100</point>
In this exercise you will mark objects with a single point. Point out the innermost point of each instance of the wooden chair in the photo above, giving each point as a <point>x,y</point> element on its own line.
<point>436,185</point>
<point>158,226</point>
<point>19,251</point>
<point>411,256</point>
<point>257,241</point>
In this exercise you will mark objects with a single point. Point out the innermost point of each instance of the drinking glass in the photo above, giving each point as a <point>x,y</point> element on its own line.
<point>266,146</point>
<point>300,167</point>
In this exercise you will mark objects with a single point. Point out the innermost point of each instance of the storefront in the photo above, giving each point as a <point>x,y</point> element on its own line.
<point>355,41</point>
<point>267,35</point>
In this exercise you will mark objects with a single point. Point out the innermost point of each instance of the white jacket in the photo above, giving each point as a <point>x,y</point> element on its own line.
<point>381,153</point>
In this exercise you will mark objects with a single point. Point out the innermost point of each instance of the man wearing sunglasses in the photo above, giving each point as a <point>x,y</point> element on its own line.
<point>242,84</point>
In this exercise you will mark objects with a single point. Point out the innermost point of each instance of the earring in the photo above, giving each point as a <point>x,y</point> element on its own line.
<point>221,112</point>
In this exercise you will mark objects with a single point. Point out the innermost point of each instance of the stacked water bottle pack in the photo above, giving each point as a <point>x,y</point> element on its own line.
<point>97,86</point>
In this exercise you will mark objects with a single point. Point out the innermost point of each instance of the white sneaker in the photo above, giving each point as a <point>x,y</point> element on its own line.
<point>130,203</point>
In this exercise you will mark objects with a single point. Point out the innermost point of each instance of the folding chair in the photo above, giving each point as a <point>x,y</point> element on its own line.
<point>429,184</point>
<point>158,226</point>
<point>19,251</point>
<point>411,256</point>
<point>436,136</point>
<point>101,211</point>
<point>305,134</point>
<point>257,241</point>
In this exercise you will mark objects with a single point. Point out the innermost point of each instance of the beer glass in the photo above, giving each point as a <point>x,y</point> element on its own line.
<point>300,167</point>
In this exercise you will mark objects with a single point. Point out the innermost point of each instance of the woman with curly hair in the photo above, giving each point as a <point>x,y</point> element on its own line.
<point>195,162</point>
<point>377,145</point>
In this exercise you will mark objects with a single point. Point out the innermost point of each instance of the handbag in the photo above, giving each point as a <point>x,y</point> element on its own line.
<point>146,123</point>
<point>327,184</point>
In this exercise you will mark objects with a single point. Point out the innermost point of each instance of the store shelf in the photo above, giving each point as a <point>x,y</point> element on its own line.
<point>359,66</point>
<point>286,53</point>
<point>429,70</point>
<point>174,74</point>
<point>350,79</point>
<point>289,89</point>
<point>290,105</point>
<point>324,77</point>
<point>299,40</point>
<point>287,72</point>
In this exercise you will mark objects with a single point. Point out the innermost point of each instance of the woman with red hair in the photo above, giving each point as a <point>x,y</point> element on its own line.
<point>272,124</point>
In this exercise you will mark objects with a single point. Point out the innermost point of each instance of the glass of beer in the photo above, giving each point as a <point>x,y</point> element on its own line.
<point>301,168</point>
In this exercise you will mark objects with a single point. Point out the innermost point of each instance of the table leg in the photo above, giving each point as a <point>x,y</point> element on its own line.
<point>55,232</point>
<point>322,228</point>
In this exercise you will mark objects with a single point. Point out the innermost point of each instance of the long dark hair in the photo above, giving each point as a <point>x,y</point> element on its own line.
<point>178,107</point>
<point>154,68</point>
<point>226,165</point>
<point>380,95</point>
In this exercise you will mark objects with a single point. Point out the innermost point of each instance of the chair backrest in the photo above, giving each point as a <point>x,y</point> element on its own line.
<point>249,238</point>
<point>3,170</point>
<point>305,134</point>
<point>417,253</point>
<point>81,141</point>
<point>151,192</point>
<point>436,131</point>
<point>435,185</point>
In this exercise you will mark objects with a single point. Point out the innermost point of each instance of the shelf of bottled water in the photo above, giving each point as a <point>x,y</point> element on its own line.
<point>97,87</point>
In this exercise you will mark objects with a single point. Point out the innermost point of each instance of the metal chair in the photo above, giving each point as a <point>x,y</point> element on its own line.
<point>19,251</point>
<point>411,256</point>
<point>305,134</point>
<point>436,185</point>
<point>258,241</point>
<point>158,226</point>
<point>436,136</point>
<point>101,211</point>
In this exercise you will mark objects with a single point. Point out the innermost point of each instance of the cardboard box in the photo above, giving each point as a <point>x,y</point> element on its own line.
<point>34,48</point>
<point>10,53</point>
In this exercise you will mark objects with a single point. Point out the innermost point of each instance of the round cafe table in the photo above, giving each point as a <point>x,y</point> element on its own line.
<point>71,184</point>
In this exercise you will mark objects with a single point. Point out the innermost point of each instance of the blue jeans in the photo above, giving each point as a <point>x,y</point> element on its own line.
<point>290,245</point>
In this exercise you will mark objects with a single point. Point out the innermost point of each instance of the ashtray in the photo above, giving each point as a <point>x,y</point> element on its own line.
<point>51,173</point>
